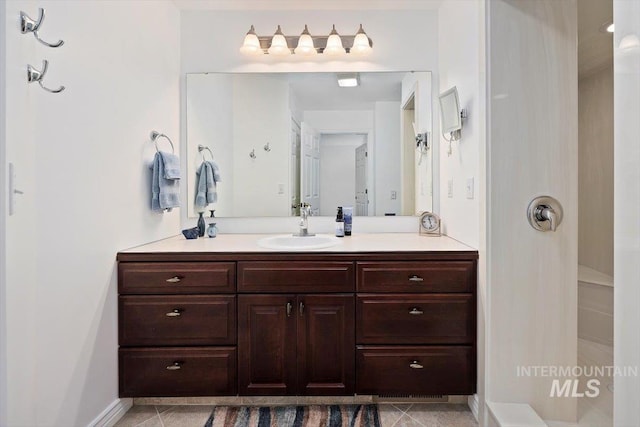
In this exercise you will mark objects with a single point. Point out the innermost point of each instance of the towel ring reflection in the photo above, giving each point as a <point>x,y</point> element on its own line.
<point>155,135</point>
<point>201,148</point>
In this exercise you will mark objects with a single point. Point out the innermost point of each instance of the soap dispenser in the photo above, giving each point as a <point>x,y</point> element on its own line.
<point>340,223</point>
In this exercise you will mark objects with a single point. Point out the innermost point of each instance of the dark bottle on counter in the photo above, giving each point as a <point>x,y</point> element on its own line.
<point>339,223</point>
<point>202,225</point>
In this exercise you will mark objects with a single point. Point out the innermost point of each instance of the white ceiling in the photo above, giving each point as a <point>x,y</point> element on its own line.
<point>595,47</point>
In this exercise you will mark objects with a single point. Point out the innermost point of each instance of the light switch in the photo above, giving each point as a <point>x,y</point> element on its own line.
<point>450,188</point>
<point>470,188</point>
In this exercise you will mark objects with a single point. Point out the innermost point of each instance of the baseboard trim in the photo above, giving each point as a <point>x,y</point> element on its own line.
<point>112,413</point>
<point>474,405</point>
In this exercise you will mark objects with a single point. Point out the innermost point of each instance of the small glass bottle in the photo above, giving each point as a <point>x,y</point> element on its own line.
<point>212,230</point>
<point>339,223</point>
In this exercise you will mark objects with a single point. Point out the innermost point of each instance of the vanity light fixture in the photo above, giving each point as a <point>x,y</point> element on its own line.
<point>251,45</point>
<point>361,43</point>
<point>334,44</point>
<point>279,44</point>
<point>306,44</point>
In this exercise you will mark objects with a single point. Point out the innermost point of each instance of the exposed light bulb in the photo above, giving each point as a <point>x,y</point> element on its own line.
<point>361,44</point>
<point>251,45</point>
<point>334,44</point>
<point>279,45</point>
<point>305,44</point>
<point>611,28</point>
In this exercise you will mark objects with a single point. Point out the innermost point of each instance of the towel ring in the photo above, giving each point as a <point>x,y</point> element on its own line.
<point>155,135</point>
<point>201,148</point>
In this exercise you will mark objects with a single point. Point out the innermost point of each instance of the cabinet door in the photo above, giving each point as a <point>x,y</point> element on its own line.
<point>326,344</point>
<point>266,344</point>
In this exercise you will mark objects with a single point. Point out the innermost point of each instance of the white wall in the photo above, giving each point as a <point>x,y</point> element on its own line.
<point>532,149</point>
<point>595,186</point>
<point>626,351</point>
<point>208,44</point>
<point>80,158</point>
<point>338,171</point>
<point>461,64</point>
<point>461,58</point>
<point>387,157</point>
<point>3,214</point>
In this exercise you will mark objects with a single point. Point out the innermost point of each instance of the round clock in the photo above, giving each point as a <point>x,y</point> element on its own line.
<point>429,224</point>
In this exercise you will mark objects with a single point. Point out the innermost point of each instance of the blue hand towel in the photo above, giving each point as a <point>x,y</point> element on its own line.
<point>165,193</point>
<point>171,165</point>
<point>201,193</point>
<point>208,177</point>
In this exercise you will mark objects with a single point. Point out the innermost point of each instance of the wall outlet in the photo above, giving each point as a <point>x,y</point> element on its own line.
<point>394,195</point>
<point>450,188</point>
<point>470,188</point>
<point>280,188</point>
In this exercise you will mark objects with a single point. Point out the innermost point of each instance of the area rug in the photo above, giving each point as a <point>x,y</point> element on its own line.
<point>295,416</point>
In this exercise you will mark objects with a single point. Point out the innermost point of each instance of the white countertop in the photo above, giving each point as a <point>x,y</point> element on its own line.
<point>363,242</point>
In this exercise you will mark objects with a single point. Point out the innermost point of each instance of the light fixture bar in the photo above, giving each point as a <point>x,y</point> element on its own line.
<point>319,42</point>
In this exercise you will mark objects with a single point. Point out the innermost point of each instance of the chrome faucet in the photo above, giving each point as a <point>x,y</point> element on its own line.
<point>546,213</point>
<point>305,212</point>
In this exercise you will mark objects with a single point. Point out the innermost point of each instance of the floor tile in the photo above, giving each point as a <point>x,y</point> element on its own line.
<point>442,415</point>
<point>404,407</point>
<point>407,421</point>
<point>153,422</point>
<point>137,415</point>
<point>164,408</point>
<point>186,416</point>
<point>389,414</point>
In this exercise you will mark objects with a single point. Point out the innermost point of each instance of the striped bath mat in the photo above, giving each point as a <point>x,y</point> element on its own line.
<point>295,416</point>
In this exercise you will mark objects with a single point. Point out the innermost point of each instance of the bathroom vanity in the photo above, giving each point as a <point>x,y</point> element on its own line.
<point>379,314</point>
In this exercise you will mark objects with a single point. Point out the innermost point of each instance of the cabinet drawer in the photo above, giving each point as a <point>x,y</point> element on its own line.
<point>176,277</point>
<point>296,276</point>
<point>415,370</point>
<point>427,276</point>
<point>206,371</point>
<point>415,319</point>
<point>177,320</point>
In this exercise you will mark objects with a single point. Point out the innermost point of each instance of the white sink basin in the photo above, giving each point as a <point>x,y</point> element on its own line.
<point>290,242</point>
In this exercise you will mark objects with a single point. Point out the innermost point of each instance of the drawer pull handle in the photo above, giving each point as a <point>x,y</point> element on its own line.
<point>415,365</point>
<point>174,279</point>
<point>289,307</point>
<point>301,308</point>
<point>416,311</point>
<point>174,313</point>
<point>415,278</point>
<point>175,367</point>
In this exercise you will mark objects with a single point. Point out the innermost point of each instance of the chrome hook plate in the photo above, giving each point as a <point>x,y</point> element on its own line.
<point>35,75</point>
<point>29,25</point>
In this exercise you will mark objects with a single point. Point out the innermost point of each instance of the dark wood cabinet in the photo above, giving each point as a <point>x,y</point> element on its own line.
<point>296,344</point>
<point>222,324</point>
<point>267,344</point>
<point>326,344</point>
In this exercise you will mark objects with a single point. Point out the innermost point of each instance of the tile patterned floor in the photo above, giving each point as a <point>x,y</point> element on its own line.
<point>397,415</point>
